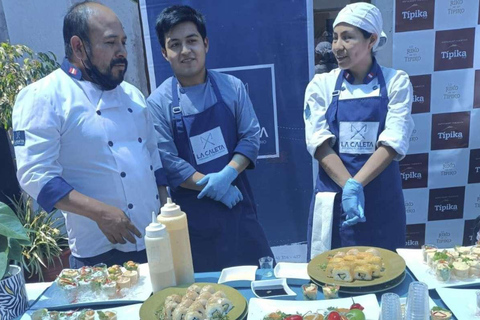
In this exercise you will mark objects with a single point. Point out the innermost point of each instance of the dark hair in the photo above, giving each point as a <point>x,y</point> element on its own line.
<point>366,34</point>
<point>174,15</point>
<point>75,23</point>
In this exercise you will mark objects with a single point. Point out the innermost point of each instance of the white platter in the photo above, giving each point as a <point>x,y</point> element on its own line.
<point>291,270</point>
<point>414,260</point>
<point>55,298</point>
<point>462,302</point>
<point>123,313</point>
<point>238,276</point>
<point>259,308</point>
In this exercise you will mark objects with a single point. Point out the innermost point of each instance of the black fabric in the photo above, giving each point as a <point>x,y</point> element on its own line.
<point>9,187</point>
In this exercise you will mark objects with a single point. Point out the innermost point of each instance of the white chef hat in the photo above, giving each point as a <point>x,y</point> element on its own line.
<point>364,16</point>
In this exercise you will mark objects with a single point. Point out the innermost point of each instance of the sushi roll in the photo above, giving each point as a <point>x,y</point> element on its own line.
<point>174,297</point>
<point>353,252</point>
<point>202,301</point>
<point>374,260</point>
<point>198,307</point>
<point>195,288</point>
<point>362,273</point>
<point>109,287</point>
<point>350,257</point>
<point>426,249</point>
<point>476,250</point>
<point>205,295</point>
<point>460,270</point>
<point>167,311</point>
<point>133,275</point>
<point>190,295</point>
<point>67,315</point>
<point>474,270</point>
<point>363,255</point>
<point>219,294</point>
<point>208,288</point>
<point>343,273</point>
<point>54,315</point>
<point>115,270</point>
<point>376,270</point>
<point>85,271</point>
<point>86,315</point>
<point>463,250</point>
<point>373,251</point>
<point>340,254</point>
<point>107,315</point>
<point>194,315</point>
<point>226,304</point>
<point>69,273</point>
<point>335,260</point>
<point>330,291</point>
<point>123,282</point>
<point>186,303</point>
<point>330,268</point>
<point>132,266</point>
<point>69,287</point>
<point>179,313</point>
<point>438,313</point>
<point>214,311</point>
<point>443,272</point>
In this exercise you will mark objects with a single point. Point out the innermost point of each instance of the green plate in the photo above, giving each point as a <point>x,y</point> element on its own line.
<point>155,302</point>
<point>393,274</point>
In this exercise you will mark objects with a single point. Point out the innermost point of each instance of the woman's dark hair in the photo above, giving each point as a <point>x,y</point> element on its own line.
<point>366,34</point>
<point>174,15</point>
<point>75,23</point>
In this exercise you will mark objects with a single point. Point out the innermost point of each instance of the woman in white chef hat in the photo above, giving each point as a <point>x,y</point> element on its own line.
<point>358,124</point>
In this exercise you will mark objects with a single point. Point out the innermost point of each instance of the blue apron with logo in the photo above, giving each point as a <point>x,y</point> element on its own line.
<point>384,204</point>
<point>220,237</point>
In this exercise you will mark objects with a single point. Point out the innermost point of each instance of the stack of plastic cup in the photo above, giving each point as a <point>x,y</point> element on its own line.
<point>417,302</point>
<point>391,309</point>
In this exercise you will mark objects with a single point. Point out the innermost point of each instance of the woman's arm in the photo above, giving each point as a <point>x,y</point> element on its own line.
<point>332,164</point>
<point>379,160</point>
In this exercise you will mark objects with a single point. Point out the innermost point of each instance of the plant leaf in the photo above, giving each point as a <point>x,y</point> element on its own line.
<point>3,255</point>
<point>15,250</point>
<point>10,226</point>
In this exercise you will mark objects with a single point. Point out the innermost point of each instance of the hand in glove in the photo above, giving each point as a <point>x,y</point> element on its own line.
<point>232,197</point>
<point>353,200</point>
<point>217,183</point>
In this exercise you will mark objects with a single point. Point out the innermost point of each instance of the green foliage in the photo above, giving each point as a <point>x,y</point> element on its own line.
<point>19,66</point>
<point>11,234</point>
<point>46,242</point>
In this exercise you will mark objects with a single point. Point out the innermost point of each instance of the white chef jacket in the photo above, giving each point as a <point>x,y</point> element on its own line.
<point>69,134</point>
<point>398,125</point>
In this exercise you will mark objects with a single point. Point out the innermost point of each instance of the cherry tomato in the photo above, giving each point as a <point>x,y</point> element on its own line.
<point>334,316</point>
<point>294,318</point>
<point>357,306</point>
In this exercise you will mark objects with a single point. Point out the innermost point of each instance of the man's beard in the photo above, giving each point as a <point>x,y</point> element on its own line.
<point>105,80</point>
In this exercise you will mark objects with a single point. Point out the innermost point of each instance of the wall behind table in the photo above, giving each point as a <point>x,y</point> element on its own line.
<point>265,44</point>
<point>438,44</point>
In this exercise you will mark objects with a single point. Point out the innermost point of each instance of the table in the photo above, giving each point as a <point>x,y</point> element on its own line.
<point>35,290</point>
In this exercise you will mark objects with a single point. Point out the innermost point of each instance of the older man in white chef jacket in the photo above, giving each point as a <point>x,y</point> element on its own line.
<point>85,143</point>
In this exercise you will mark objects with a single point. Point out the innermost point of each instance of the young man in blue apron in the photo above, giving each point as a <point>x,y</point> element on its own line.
<point>358,124</point>
<point>208,134</point>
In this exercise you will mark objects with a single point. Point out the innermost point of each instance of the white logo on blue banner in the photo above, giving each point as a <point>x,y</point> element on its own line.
<point>358,137</point>
<point>208,146</point>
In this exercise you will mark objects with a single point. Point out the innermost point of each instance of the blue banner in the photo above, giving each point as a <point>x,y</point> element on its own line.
<point>264,44</point>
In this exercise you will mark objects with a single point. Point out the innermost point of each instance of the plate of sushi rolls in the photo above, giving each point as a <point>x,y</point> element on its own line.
<point>358,269</point>
<point>118,313</point>
<point>199,301</point>
<point>98,284</point>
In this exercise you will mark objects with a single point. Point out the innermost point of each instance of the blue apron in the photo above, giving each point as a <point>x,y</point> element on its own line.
<point>384,205</point>
<point>220,237</point>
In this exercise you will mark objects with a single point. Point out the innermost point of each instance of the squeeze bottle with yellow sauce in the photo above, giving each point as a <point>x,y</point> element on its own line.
<point>176,222</point>
<point>159,256</point>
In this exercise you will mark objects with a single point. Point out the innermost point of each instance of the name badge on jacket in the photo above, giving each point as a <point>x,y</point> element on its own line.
<point>358,137</point>
<point>208,146</point>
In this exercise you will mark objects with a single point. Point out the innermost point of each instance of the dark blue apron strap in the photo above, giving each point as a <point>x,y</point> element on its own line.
<point>331,115</point>
<point>384,95</point>
<point>215,88</point>
<point>178,126</point>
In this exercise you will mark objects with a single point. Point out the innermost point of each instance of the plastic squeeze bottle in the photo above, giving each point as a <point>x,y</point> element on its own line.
<point>176,222</point>
<point>159,256</point>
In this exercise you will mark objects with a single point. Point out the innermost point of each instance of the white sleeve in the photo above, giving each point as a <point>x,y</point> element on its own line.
<point>399,123</point>
<point>315,108</point>
<point>35,119</point>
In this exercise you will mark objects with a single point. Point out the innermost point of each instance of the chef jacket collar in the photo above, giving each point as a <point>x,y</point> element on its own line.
<point>71,70</point>
<point>369,77</point>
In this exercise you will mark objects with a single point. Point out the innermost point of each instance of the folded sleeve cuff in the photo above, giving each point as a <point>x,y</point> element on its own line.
<point>248,150</point>
<point>161,177</point>
<point>177,178</point>
<point>52,192</point>
<point>318,139</point>
<point>401,152</point>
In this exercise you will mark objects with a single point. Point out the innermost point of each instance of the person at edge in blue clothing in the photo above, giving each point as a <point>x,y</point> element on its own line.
<point>208,134</point>
<point>85,143</point>
<point>358,125</point>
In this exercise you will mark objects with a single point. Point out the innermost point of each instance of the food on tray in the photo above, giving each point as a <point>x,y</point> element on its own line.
<point>354,313</point>
<point>426,249</point>
<point>444,271</point>
<point>438,313</point>
<point>330,291</point>
<point>44,314</point>
<point>310,291</point>
<point>84,283</point>
<point>354,265</point>
<point>197,304</point>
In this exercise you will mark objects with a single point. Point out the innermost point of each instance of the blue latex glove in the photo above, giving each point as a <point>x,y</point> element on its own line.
<point>353,200</point>
<point>232,197</point>
<point>217,183</point>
